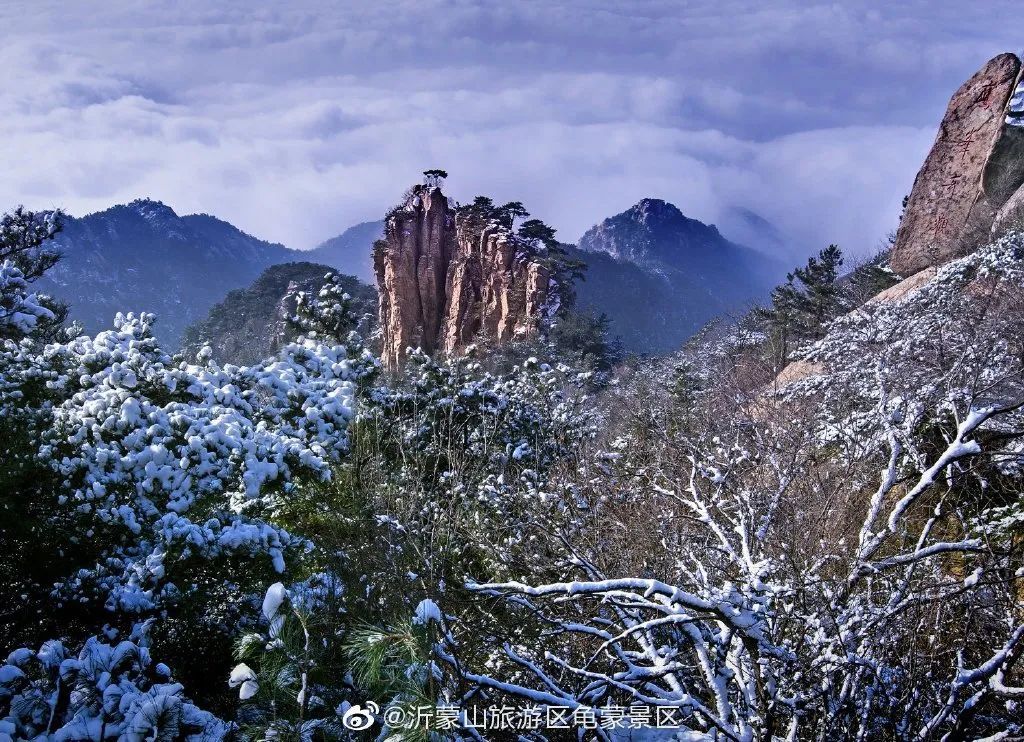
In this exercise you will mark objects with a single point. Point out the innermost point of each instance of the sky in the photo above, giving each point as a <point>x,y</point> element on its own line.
<point>296,120</point>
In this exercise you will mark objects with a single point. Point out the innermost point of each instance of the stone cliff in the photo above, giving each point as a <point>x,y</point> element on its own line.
<point>446,278</point>
<point>973,171</point>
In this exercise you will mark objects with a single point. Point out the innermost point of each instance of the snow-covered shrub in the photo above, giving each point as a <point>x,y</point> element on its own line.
<point>328,316</point>
<point>447,470</point>
<point>461,460</point>
<point>147,485</point>
<point>104,691</point>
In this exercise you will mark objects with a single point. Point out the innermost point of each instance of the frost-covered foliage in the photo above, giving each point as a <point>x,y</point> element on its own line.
<point>23,236</point>
<point>20,310</point>
<point>23,259</point>
<point>280,674</point>
<point>328,316</point>
<point>824,562</point>
<point>455,439</point>
<point>287,677</point>
<point>104,691</point>
<point>176,455</point>
<point>835,554</point>
<point>451,469</point>
<point>953,343</point>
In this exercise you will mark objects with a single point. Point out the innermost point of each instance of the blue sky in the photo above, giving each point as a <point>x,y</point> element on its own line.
<point>295,120</point>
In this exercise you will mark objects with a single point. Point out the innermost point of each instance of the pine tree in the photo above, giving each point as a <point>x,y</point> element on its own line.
<point>802,307</point>
<point>508,213</point>
<point>23,250</point>
<point>434,178</point>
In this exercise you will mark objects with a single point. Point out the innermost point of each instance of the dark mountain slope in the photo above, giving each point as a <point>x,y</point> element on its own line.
<point>649,312</point>
<point>660,276</point>
<point>142,256</point>
<point>248,325</point>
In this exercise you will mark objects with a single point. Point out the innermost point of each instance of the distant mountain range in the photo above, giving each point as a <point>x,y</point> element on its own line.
<point>142,256</point>
<point>657,274</point>
<point>660,276</point>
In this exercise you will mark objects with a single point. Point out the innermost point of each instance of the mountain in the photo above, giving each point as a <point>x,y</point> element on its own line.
<point>248,325</point>
<point>142,256</point>
<point>351,252</point>
<point>678,273</point>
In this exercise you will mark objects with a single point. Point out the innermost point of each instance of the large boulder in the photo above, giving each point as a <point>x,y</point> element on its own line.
<point>974,167</point>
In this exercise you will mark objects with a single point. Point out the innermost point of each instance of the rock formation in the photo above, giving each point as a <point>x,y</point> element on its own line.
<point>975,166</point>
<point>445,280</point>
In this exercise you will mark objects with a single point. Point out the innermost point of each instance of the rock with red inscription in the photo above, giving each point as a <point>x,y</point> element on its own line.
<point>974,167</point>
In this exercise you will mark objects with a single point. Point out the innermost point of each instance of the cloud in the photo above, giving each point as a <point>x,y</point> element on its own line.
<point>295,120</point>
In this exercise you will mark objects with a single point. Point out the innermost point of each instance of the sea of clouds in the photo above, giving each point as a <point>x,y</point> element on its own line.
<point>295,120</point>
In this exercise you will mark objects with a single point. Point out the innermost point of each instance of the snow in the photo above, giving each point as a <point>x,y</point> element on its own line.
<point>913,399</point>
<point>10,673</point>
<point>243,678</point>
<point>427,612</point>
<point>272,602</point>
<point>140,438</point>
<point>185,466</point>
<point>110,690</point>
<point>1015,108</point>
<point>20,310</point>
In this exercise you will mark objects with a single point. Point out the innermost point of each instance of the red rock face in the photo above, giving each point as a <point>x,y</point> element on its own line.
<point>443,285</point>
<point>975,165</point>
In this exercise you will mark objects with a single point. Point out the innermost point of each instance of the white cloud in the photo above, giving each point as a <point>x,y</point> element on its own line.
<point>294,121</point>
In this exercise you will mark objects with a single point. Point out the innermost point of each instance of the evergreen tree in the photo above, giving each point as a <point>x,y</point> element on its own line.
<point>508,213</point>
<point>434,178</point>
<point>585,341</point>
<point>535,230</point>
<point>23,235</point>
<point>803,305</point>
<point>25,257</point>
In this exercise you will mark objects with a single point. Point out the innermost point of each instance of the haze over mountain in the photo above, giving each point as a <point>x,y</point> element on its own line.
<point>351,251</point>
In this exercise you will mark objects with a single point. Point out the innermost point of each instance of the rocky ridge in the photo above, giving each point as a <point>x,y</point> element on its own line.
<point>444,279</point>
<point>969,191</point>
